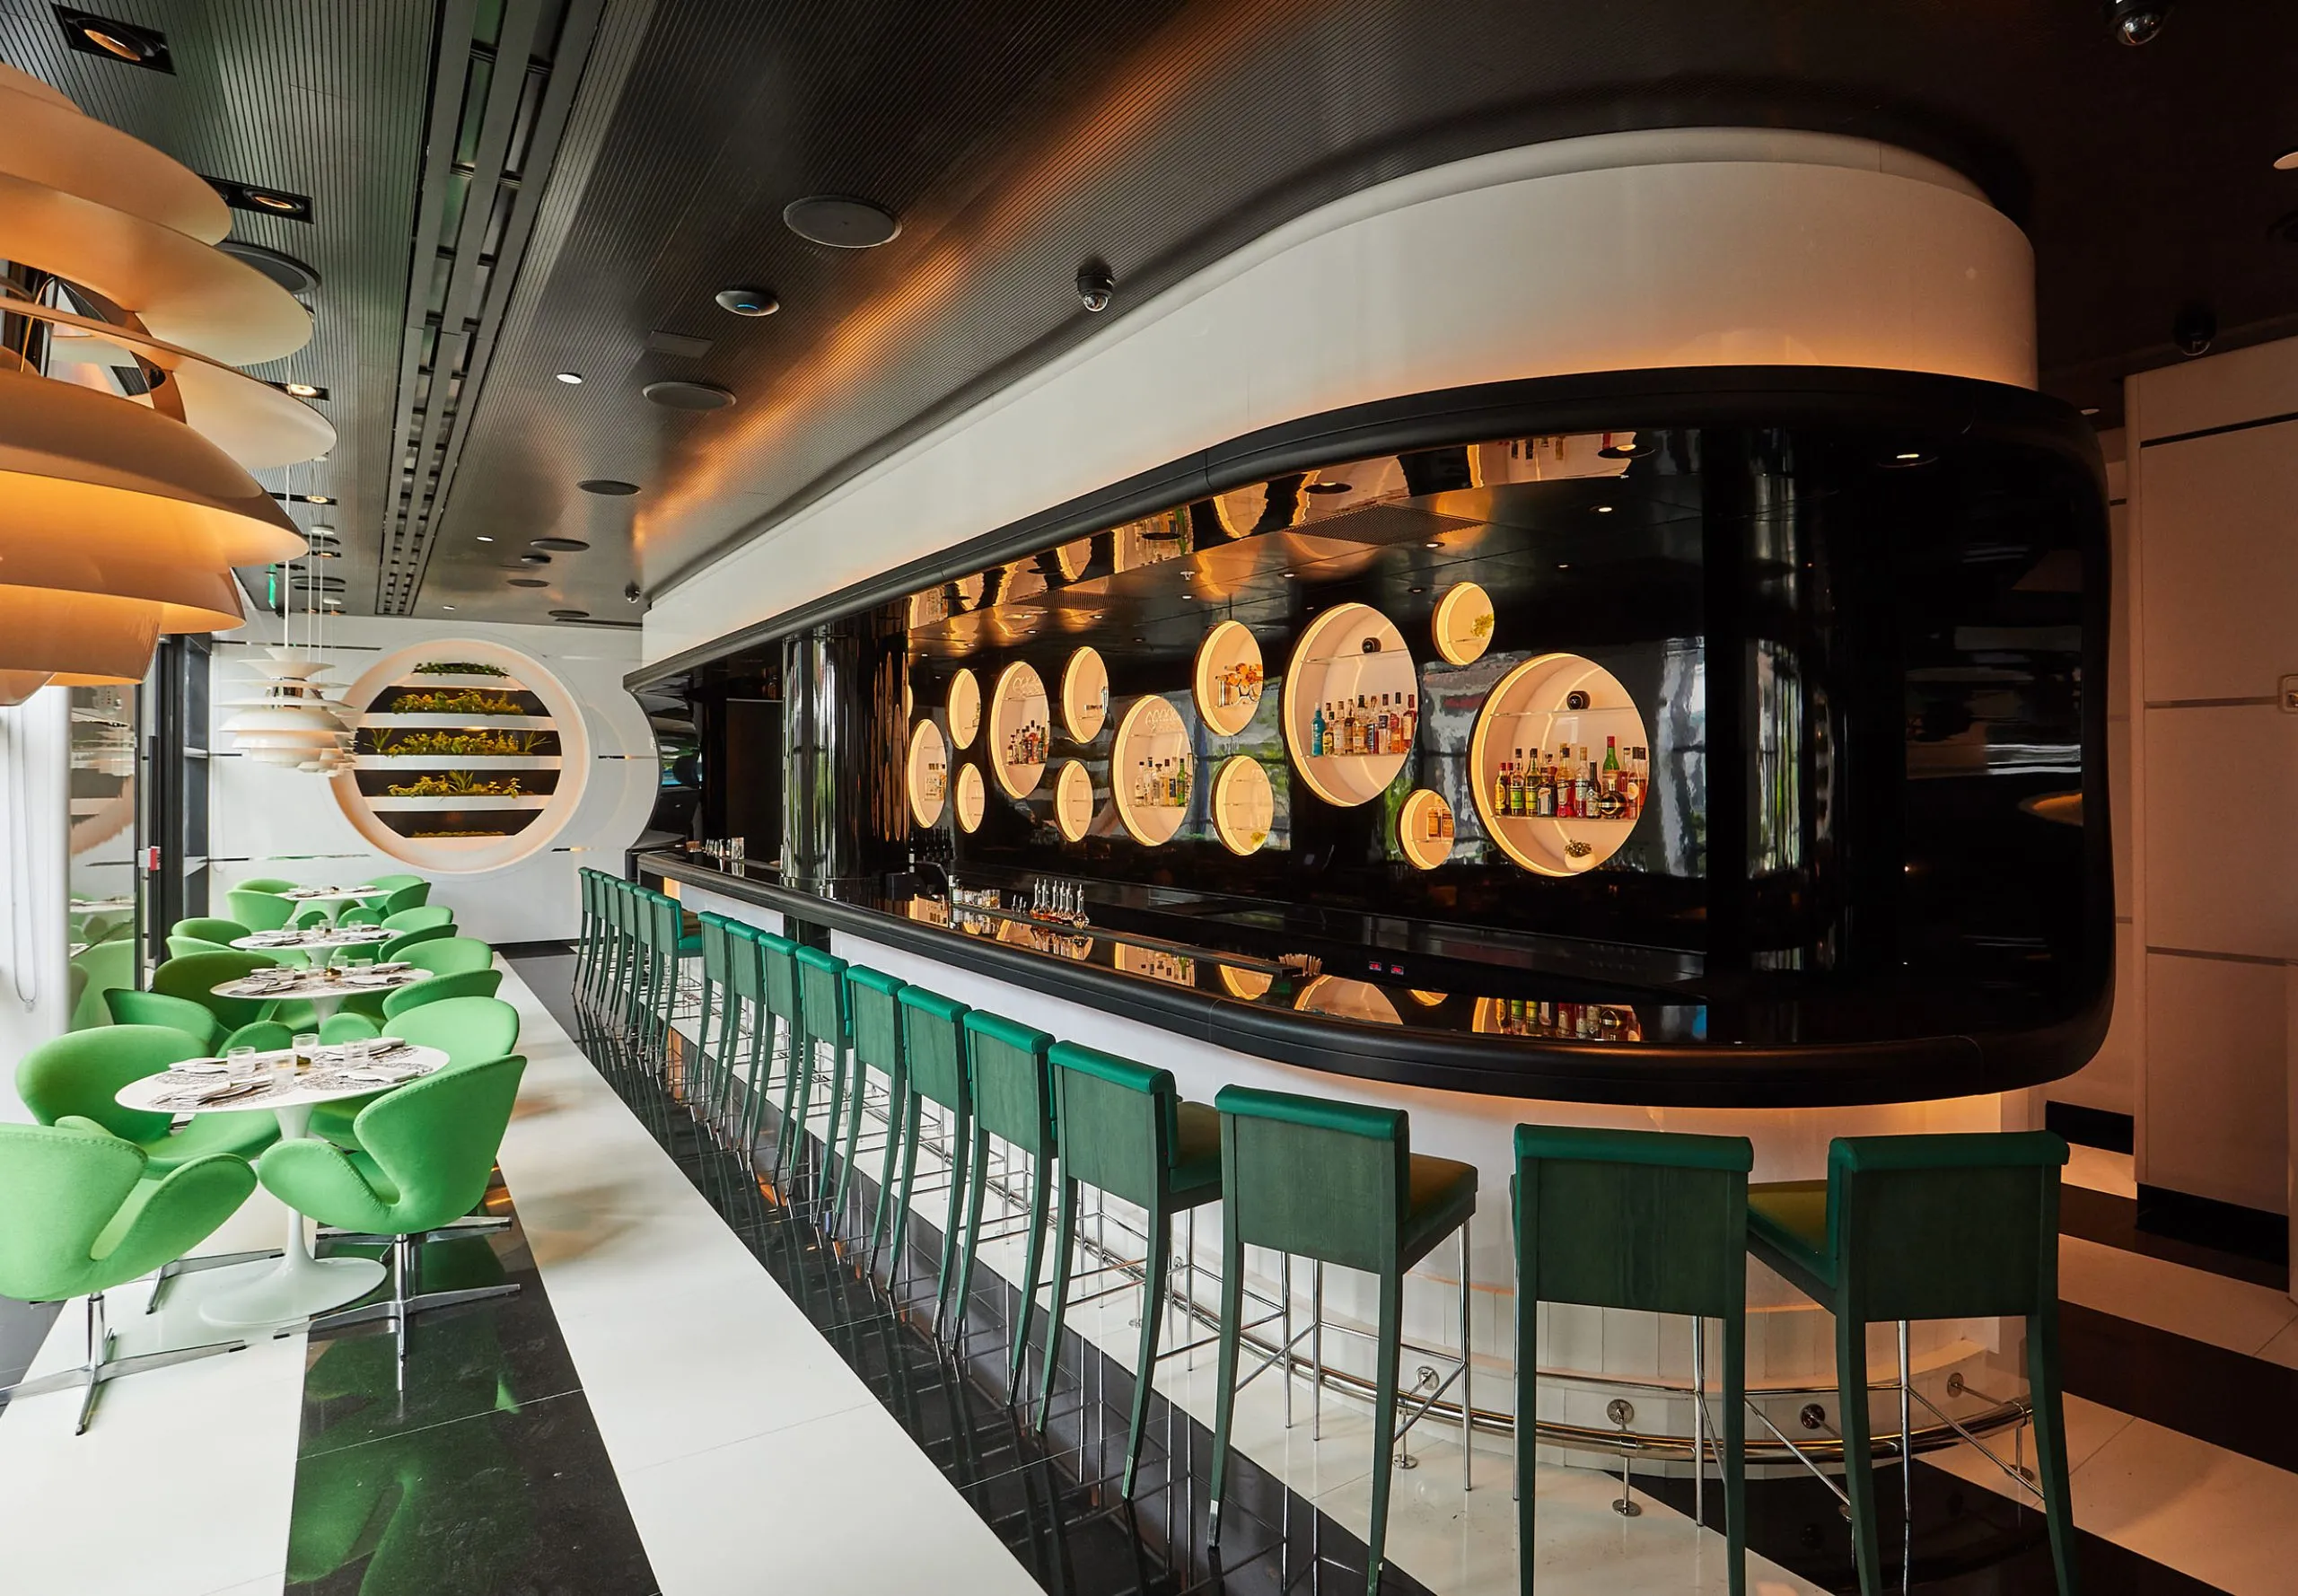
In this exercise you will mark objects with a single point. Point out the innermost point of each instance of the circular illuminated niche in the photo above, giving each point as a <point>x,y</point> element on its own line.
<point>1019,730</point>
<point>1560,1021</point>
<point>1152,771</point>
<point>965,708</point>
<point>973,797</point>
<point>1073,556</point>
<point>1344,999</point>
<point>1073,800</point>
<point>1463,625</point>
<point>1244,805</point>
<point>929,773</point>
<point>1424,829</point>
<point>1550,701</point>
<point>1428,1000</point>
<point>1178,968</point>
<point>1085,695</point>
<point>1229,678</point>
<point>1332,669</point>
<point>1247,984</point>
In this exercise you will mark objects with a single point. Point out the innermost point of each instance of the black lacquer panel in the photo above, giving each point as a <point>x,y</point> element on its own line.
<point>1854,610</point>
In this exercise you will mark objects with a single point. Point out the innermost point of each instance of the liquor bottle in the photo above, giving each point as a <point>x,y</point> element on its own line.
<point>1500,789</point>
<point>1411,721</point>
<point>1379,724</point>
<point>1587,796</point>
<point>1317,732</point>
<point>1435,822</point>
<point>1611,761</point>
<point>1360,728</point>
<point>1516,784</point>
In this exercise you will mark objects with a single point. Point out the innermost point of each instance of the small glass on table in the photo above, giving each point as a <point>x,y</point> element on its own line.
<point>242,1064</point>
<point>307,1048</point>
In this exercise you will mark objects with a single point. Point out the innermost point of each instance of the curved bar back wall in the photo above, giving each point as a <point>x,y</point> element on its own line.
<point>1712,735</point>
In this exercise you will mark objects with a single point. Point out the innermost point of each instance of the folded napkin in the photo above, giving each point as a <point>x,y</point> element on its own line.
<point>212,1093</point>
<point>198,1067</point>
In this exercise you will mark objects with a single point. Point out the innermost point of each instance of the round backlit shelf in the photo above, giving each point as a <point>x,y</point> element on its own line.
<point>1541,727</point>
<point>1561,1022</point>
<point>1085,695</point>
<point>1152,771</point>
<point>972,796</point>
<point>1352,704</point>
<point>1247,984</point>
<point>965,708</point>
<point>1344,999</point>
<point>1178,968</point>
<point>1020,736</point>
<point>1073,800</point>
<point>1424,829</point>
<point>1462,628</point>
<point>1229,678</point>
<point>929,773</point>
<point>1244,804</point>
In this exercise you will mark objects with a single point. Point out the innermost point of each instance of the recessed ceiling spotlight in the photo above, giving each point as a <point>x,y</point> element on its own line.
<point>263,200</point>
<point>307,390</point>
<point>1603,509</point>
<point>558,545</point>
<point>483,538</point>
<point>608,485</point>
<point>1329,488</point>
<point>324,551</point>
<point>572,379</point>
<point>1417,590</point>
<point>840,220</point>
<point>446,605</point>
<point>1564,567</point>
<point>570,615</point>
<point>1900,460</point>
<point>677,394</point>
<point>1625,446</point>
<point>534,559</point>
<point>95,35</point>
<point>303,499</point>
<point>748,301</point>
<point>332,604</point>
<point>528,582</point>
<point>2090,409</point>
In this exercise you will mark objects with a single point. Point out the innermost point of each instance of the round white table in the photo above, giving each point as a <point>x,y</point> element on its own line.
<point>298,1285</point>
<point>330,894</point>
<point>315,939</point>
<point>325,993</point>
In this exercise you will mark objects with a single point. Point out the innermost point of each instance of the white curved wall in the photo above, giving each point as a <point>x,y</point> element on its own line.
<point>1698,247</point>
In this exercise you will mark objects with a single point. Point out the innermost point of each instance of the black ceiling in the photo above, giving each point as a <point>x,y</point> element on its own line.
<point>1016,138</point>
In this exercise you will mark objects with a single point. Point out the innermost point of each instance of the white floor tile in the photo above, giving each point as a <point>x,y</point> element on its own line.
<point>2234,1314</point>
<point>2226,1519</point>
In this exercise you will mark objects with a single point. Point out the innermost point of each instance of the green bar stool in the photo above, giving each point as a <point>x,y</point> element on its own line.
<point>767,1047</point>
<point>1336,1182</point>
<point>586,884</point>
<point>778,971</point>
<point>622,975</point>
<point>873,1005</point>
<point>706,1080</point>
<point>823,1021</point>
<point>1642,1220</point>
<point>1927,1227</point>
<point>1125,1131</point>
<point>933,1055</point>
<point>1008,1069</point>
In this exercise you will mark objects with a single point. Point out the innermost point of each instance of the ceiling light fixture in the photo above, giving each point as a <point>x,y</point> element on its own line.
<point>572,379</point>
<point>1603,509</point>
<point>263,200</point>
<point>674,393</point>
<point>528,582</point>
<point>483,538</point>
<point>446,605</point>
<point>303,390</point>
<point>1329,488</point>
<point>114,40</point>
<point>841,222</point>
<point>2090,409</point>
<point>608,486</point>
<point>558,545</point>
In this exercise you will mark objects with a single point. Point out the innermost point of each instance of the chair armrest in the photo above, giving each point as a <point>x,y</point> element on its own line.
<point>316,1177</point>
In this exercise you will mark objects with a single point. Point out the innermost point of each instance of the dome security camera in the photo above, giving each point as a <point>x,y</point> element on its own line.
<point>747,302</point>
<point>2194,329</point>
<point>2136,21</point>
<point>632,593</point>
<point>1096,285</point>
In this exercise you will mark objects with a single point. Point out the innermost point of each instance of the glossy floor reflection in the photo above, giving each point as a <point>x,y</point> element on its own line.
<point>1051,1496</point>
<point>472,1466</point>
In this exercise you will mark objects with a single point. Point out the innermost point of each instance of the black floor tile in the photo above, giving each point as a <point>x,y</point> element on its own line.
<point>2115,1222</point>
<point>2243,1404</point>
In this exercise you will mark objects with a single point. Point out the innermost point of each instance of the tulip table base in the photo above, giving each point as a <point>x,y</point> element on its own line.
<point>298,1285</point>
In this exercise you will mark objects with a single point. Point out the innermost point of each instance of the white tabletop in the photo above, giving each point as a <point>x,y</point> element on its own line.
<point>329,894</point>
<point>324,1083</point>
<point>337,936</point>
<point>317,983</point>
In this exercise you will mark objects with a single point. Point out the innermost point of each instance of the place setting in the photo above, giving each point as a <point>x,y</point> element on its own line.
<point>290,939</point>
<point>307,1070</point>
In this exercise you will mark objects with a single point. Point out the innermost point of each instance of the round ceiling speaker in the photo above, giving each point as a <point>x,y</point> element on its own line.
<point>570,615</point>
<point>611,486</point>
<point>677,394</point>
<point>840,220</point>
<point>558,545</point>
<point>281,268</point>
<point>748,301</point>
<point>528,582</point>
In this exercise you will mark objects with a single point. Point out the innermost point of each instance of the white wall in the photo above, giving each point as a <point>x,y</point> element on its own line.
<point>265,821</point>
<point>35,787</point>
<point>2213,771</point>
<point>1692,246</point>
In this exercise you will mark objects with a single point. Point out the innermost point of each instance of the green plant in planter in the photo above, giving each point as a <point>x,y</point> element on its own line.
<point>458,701</point>
<point>457,668</point>
<point>493,745</point>
<point>456,783</point>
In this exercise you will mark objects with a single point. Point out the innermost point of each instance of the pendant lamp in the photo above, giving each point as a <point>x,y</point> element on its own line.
<point>120,517</point>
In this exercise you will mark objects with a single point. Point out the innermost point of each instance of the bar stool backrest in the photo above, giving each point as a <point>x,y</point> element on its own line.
<point>1642,1219</point>
<point>873,1000</point>
<point>745,962</point>
<point>821,998</point>
<point>933,1036</point>
<point>1118,1121</point>
<point>717,948</point>
<point>1945,1226</point>
<point>1012,1094</point>
<point>1314,1175</point>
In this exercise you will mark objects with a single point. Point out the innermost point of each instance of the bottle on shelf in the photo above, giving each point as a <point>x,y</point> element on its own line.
<point>1500,789</point>
<point>1411,721</point>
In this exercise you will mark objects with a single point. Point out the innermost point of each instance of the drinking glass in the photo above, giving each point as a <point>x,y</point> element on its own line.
<point>241,1064</point>
<point>307,1047</point>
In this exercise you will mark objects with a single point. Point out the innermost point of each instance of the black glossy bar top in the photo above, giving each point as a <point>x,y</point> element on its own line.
<point>1417,1002</point>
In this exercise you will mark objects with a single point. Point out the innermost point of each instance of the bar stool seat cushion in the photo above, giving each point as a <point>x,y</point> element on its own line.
<point>1441,1193</point>
<point>1788,1228</point>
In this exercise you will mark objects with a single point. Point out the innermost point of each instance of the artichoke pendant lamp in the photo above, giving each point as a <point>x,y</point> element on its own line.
<point>292,722</point>
<point>127,437</point>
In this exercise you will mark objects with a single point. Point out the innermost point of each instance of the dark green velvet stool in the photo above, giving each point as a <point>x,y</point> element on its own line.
<point>751,1033</point>
<point>874,1010</point>
<point>1336,1182</point>
<point>1013,1101</point>
<point>1125,1131</point>
<point>1641,1220</point>
<point>1927,1227</point>
<point>823,1022</point>
<point>933,1055</point>
<point>778,958</point>
<point>705,1080</point>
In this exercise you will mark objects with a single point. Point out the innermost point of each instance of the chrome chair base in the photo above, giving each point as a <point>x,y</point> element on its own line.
<point>100,1368</point>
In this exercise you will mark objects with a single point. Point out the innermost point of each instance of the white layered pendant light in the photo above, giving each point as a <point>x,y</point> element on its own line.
<point>293,724</point>
<point>125,439</point>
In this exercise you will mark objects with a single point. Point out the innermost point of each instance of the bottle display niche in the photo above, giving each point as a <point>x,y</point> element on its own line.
<point>1352,704</point>
<point>1244,804</point>
<point>1462,627</point>
<point>1084,695</point>
<point>1073,800</point>
<point>1021,740</point>
<point>965,708</point>
<point>929,773</point>
<point>972,798</point>
<point>1229,679</point>
<point>1424,829</point>
<point>1152,771</point>
<point>1559,765</point>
